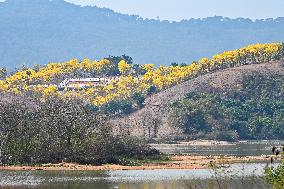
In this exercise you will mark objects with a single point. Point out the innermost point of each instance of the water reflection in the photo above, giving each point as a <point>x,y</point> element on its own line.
<point>243,148</point>
<point>152,179</point>
<point>160,185</point>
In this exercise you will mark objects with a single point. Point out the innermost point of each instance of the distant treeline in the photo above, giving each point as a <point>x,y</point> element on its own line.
<point>39,31</point>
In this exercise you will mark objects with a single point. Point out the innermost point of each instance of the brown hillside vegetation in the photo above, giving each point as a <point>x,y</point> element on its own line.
<point>152,120</point>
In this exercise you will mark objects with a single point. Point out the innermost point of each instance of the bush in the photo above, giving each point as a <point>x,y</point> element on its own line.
<point>117,107</point>
<point>57,130</point>
<point>254,112</point>
<point>152,90</point>
<point>275,176</point>
<point>139,99</point>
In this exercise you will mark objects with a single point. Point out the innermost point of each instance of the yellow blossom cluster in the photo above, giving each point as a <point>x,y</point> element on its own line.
<point>124,67</point>
<point>128,83</point>
<point>25,79</point>
<point>164,77</point>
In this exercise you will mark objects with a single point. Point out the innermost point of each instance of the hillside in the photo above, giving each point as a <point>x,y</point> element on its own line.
<point>42,31</point>
<point>150,101</point>
<point>154,120</point>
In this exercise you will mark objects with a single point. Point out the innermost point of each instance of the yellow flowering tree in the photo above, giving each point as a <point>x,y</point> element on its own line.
<point>124,67</point>
<point>123,87</point>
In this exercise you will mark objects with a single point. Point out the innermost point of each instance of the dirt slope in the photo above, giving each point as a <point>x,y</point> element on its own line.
<point>152,120</point>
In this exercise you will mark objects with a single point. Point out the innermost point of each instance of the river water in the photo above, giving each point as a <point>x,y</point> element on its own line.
<point>237,176</point>
<point>242,148</point>
<point>142,179</point>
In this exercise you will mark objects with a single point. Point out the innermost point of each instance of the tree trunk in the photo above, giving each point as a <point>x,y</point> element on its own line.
<point>1,150</point>
<point>1,163</point>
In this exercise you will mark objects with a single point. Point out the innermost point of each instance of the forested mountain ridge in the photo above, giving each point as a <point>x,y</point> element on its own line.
<point>41,31</point>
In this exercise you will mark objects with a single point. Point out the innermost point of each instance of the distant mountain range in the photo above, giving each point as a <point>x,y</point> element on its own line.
<point>40,31</point>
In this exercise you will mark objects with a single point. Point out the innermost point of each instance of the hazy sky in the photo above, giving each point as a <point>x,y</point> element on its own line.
<point>185,9</point>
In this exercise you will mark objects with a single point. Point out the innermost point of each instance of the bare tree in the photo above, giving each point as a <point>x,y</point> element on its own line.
<point>151,122</point>
<point>12,113</point>
<point>3,73</point>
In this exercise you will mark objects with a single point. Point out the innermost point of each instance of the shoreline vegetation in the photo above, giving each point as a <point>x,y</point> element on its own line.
<point>174,162</point>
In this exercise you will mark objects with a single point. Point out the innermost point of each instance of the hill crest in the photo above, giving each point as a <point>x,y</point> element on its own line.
<point>37,32</point>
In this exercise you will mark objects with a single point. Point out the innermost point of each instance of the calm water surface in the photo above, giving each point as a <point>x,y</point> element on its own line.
<point>243,148</point>
<point>148,179</point>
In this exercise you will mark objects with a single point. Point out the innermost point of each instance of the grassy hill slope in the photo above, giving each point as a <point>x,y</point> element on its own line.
<point>153,119</point>
<point>123,100</point>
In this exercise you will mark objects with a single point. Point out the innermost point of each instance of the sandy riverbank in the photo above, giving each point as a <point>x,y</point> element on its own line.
<point>199,143</point>
<point>176,162</point>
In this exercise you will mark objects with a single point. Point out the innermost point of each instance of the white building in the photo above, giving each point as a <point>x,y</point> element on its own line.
<point>80,83</point>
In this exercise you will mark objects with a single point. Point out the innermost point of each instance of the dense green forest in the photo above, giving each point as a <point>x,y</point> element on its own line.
<point>254,112</point>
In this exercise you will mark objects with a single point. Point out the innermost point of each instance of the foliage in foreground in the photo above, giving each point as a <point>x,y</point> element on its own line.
<point>275,176</point>
<point>33,131</point>
<point>254,112</point>
<point>229,178</point>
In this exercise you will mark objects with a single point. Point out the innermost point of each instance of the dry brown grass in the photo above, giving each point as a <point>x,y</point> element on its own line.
<point>157,106</point>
